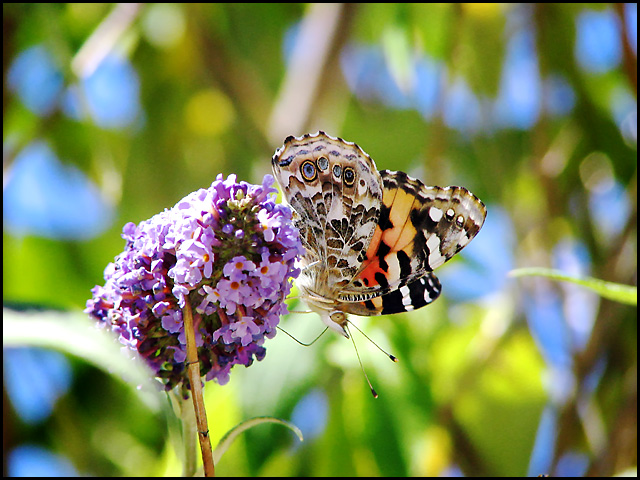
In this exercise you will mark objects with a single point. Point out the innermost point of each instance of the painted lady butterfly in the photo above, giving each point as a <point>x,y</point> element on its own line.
<point>372,238</point>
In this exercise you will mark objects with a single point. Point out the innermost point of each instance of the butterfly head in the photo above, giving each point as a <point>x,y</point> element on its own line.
<point>336,321</point>
<point>325,307</point>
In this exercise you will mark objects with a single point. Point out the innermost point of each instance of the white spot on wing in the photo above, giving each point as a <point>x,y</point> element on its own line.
<point>435,214</point>
<point>427,291</point>
<point>435,258</point>
<point>394,266</point>
<point>406,298</point>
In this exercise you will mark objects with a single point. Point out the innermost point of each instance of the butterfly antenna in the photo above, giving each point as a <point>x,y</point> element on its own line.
<point>373,392</point>
<point>392,357</point>
<point>302,343</point>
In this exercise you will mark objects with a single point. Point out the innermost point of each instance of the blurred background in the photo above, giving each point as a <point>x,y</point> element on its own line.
<point>114,112</point>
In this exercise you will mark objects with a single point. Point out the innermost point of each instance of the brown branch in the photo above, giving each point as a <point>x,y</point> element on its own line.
<point>312,68</point>
<point>104,38</point>
<point>193,365</point>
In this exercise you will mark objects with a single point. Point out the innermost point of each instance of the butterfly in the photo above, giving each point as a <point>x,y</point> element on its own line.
<point>372,238</point>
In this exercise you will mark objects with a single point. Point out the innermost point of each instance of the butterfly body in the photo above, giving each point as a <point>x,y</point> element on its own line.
<point>372,238</point>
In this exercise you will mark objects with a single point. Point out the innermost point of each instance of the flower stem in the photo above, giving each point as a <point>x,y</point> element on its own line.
<point>193,366</point>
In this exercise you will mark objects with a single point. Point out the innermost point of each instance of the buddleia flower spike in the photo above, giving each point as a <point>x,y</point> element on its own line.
<point>229,252</point>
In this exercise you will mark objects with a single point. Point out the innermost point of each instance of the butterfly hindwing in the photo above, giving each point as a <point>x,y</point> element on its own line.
<point>404,298</point>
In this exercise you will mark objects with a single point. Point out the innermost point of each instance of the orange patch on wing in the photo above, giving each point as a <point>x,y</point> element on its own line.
<point>399,237</point>
<point>403,232</point>
<point>374,244</point>
<point>372,262</point>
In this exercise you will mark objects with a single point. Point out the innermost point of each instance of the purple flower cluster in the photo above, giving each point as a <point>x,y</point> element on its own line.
<point>229,251</point>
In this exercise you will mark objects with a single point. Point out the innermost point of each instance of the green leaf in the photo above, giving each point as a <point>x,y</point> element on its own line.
<point>612,291</point>
<point>231,435</point>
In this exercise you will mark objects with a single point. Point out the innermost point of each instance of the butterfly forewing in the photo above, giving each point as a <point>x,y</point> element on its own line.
<point>419,229</point>
<point>445,218</point>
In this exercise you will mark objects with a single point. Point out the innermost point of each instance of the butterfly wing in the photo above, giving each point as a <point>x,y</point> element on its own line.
<point>419,229</point>
<point>336,191</point>
<point>405,297</point>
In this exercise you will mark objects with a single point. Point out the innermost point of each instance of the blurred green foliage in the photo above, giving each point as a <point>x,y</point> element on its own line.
<point>218,95</point>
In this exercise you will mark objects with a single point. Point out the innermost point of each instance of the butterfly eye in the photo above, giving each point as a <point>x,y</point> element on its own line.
<point>349,176</point>
<point>308,170</point>
<point>323,163</point>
